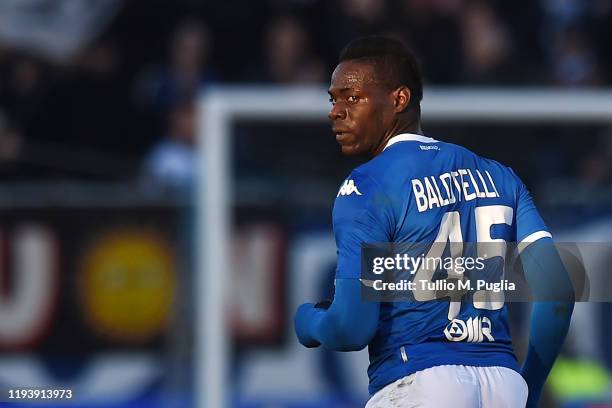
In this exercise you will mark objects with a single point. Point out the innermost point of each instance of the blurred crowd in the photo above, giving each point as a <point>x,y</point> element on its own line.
<point>123,106</point>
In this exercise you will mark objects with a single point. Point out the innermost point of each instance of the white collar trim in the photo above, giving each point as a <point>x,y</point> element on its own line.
<point>409,137</point>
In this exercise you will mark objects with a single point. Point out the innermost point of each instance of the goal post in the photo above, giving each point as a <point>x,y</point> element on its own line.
<point>219,107</point>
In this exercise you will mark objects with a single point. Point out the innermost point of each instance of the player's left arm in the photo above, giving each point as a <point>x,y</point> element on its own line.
<point>553,292</point>
<point>361,215</point>
<point>348,325</point>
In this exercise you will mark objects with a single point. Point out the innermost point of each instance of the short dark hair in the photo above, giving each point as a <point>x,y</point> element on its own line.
<point>394,62</point>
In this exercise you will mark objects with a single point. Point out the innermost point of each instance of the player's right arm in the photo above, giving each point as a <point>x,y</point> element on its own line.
<point>548,279</point>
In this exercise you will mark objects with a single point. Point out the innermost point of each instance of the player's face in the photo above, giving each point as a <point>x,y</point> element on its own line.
<point>362,108</point>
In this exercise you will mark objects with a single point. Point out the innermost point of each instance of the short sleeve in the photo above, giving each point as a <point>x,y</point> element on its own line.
<point>529,223</point>
<point>362,214</point>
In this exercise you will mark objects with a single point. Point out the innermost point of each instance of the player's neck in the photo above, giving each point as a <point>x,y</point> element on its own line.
<point>413,128</point>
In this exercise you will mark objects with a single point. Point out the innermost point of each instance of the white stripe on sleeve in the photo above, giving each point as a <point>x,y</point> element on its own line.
<point>532,238</point>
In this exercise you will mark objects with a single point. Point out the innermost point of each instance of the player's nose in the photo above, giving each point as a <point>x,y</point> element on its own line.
<point>336,112</point>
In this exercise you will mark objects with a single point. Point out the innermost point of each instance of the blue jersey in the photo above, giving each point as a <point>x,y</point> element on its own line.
<point>420,190</point>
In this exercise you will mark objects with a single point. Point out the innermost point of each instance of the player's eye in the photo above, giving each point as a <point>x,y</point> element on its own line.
<point>332,101</point>
<point>353,99</point>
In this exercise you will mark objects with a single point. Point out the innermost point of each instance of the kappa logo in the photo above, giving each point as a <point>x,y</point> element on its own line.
<point>475,330</point>
<point>348,188</point>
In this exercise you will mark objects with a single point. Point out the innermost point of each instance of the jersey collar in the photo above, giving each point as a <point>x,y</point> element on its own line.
<point>409,137</point>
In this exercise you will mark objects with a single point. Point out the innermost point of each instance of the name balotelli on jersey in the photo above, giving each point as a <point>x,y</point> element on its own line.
<point>451,187</point>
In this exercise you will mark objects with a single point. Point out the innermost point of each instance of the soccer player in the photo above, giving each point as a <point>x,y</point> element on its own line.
<point>418,189</point>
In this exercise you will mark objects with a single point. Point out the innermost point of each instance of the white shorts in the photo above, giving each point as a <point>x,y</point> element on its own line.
<point>455,386</point>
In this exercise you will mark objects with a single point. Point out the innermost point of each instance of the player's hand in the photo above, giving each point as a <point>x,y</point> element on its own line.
<point>323,304</point>
<point>302,320</point>
<point>533,399</point>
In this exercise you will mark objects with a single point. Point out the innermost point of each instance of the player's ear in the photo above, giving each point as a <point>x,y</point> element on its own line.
<point>402,97</point>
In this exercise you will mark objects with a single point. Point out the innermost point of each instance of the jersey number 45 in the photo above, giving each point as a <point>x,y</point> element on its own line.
<point>450,234</point>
